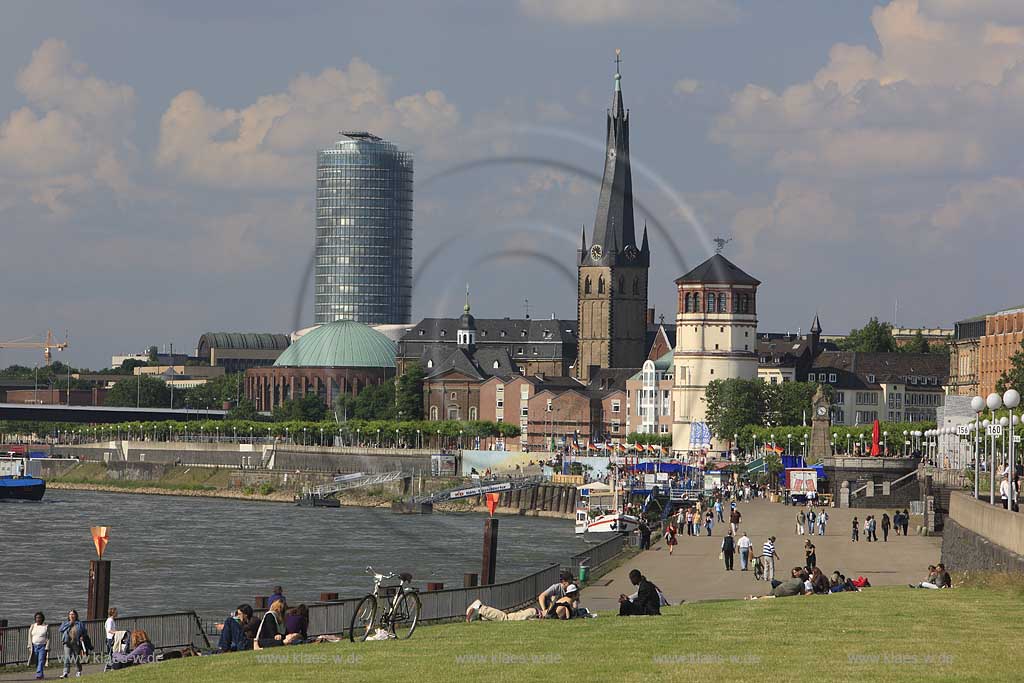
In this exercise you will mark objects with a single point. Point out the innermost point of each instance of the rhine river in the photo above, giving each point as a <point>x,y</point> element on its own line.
<point>173,553</point>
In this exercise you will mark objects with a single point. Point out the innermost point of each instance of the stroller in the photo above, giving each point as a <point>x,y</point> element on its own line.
<point>121,644</point>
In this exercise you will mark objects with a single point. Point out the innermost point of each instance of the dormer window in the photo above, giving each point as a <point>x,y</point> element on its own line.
<point>502,333</point>
<point>496,365</point>
<point>421,332</point>
<point>871,379</point>
<point>444,332</point>
<point>430,364</point>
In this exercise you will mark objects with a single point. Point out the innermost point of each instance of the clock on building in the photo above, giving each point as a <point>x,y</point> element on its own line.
<point>822,411</point>
<point>596,252</point>
<point>631,253</point>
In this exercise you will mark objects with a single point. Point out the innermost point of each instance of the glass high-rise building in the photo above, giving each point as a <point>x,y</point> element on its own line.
<point>363,232</point>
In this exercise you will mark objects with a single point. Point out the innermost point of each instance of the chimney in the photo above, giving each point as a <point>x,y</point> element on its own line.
<point>650,317</point>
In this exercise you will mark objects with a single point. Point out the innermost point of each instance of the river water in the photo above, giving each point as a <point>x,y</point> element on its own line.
<point>173,553</point>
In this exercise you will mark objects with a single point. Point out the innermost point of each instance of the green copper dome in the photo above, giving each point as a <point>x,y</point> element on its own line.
<point>341,344</point>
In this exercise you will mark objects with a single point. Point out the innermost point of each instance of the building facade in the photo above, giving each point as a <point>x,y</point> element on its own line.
<point>339,358</point>
<point>649,397</point>
<point>613,269</point>
<point>963,356</point>
<point>890,387</point>
<point>239,351</point>
<point>364,205</point>
<point>716,338</point>
<point>1004,332</point>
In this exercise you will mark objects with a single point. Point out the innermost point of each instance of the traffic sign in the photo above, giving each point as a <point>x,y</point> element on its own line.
<point>994,430</point>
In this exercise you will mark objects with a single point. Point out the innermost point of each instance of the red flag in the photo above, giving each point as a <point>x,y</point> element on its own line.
<point>875,450</point>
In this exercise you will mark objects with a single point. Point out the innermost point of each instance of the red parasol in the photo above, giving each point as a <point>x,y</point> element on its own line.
<point>875,450</point>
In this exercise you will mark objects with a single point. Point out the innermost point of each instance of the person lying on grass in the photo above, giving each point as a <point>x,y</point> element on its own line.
<point>796,585</point>
<point>565,607</point>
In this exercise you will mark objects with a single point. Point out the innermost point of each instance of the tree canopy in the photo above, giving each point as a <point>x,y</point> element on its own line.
<point>874,337</point>
<point>143,391</point>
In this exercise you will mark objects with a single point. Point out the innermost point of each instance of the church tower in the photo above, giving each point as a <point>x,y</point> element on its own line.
<point>612,281</point>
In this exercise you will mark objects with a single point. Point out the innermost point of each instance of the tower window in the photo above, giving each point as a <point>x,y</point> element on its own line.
<point>689,303</point>
<point>586,285</point>
<point>711,303</point>
<point>721,303</point>
<point>600,285</point>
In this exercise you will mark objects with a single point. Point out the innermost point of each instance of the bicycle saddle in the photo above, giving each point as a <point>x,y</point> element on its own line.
<point>405,576</point>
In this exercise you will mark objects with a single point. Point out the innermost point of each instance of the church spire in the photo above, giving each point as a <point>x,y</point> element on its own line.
<point>614,238</point>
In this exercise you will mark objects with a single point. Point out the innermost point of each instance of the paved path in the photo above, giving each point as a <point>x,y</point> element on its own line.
<point>694,571</point>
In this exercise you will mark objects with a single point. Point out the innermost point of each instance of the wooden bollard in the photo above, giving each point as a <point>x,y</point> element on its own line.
<point>259,602</point>
<point>435,586</point>
<point>470,580</point>
<point>490,554</point>
<point>328,597</point>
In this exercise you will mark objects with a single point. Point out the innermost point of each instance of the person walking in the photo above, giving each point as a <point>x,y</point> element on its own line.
<point>670,537</point>
<point>709,522</point>
<point>718,511</point>
<point>905,517</point>
<point>810,557</point>
<point>734,520</point>
<point>822,521</point>
<point>801,519</point>
<point>689,522</point>
<point>854,533</point>
<point>872,529</point>
<point>811,517</point>
<point>728,550</point>
<point>38,643</point>
<point>885,527</point>
<point>645,534</point>
<point>744,544</point>
<point>897,522</point>
<point>769,556</point>
<point>76,643</point>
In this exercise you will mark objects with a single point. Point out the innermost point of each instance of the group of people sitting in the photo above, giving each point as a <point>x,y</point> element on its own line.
<point>813,582</point>
<point>280,625</point>
<point>937,578</point>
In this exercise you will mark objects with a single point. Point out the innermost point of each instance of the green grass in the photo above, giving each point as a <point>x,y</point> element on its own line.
<point>882,634</point>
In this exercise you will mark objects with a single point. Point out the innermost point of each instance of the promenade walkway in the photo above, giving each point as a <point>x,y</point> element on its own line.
<point>694,571</point>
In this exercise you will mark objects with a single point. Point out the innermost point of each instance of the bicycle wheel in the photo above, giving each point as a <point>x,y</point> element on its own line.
<point>406,615</point>
<point>758,571</point>
<point>363,619</point>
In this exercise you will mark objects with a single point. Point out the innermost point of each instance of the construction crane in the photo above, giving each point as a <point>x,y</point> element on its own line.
<point>46,345</point>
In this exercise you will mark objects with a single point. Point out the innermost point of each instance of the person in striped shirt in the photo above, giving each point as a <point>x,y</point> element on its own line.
<point>768,556</point>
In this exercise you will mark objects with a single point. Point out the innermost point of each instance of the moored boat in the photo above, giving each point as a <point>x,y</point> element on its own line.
<point>16,484</point>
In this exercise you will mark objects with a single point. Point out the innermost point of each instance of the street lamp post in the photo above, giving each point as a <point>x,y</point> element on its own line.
<point>834,437</point>
<point>1011,399</point>
<point>885,442</point>
<point>848,435</point>
<point>994,402</point>
<point>789,444</point>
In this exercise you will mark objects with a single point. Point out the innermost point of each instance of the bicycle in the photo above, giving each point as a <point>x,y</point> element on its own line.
<point>758,568</point>
<point>399,613</point>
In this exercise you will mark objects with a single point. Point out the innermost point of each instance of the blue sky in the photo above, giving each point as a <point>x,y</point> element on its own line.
<point>156,159</point>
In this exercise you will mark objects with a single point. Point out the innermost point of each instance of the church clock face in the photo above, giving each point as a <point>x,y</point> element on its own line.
<point>631,253</point>
<point>596,252</point>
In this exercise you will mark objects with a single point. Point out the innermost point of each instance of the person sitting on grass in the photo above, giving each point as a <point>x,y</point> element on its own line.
<point>819,582</point>
<point>937,578</point>
<point>271,632</point>
<point>564,607</point>
<point>233,637</point>
<point>296,625</point>
<point>646,600</point>
<point>796,585</point>
<point>142,652</point>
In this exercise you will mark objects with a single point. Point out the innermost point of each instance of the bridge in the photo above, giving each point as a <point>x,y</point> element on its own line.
<point>33,412</point>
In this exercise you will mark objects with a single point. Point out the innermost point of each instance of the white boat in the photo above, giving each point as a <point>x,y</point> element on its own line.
<point>595,520</point>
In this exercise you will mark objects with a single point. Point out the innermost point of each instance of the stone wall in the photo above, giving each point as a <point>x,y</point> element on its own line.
<point>982,537</point>
<point>899,497</point>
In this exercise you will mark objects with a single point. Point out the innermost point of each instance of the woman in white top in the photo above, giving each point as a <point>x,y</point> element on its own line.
<point>110,627</point>
<point>39,642</point>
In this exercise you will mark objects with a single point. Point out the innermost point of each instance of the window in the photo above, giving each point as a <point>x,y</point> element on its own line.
<point>664,429</point>
<point>499,402</point>
<point>716,347</point>
<point>712,371</point>
<point>711,303</point>
<point>831,378</point>
<point>839,398</point>
<point>838,415</point>
<point>616,406</point>
<point>586,290</point>
<point>696,303</point>
<point>870,378</point>
<point>775,379</point>
<point>472,413</point>
<point>867,398</point>
<point>524,392</point>
<point>810,377</point>
<point>865,417</point>
<point>444,332</point>
<point>430,364</point>
<point>495,365</point>
<point>688,308</point>
<point>721,303</point>
<point>548,408</point>
<point>453,395</point>
<point>615,426</point>
<point>433,412</point>
<point>600,285</point>
<point>524,411</point>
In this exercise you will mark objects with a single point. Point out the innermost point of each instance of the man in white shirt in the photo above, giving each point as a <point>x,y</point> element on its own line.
<point>544,602</point>
<point>1004,492</point>
<point>744,544</point>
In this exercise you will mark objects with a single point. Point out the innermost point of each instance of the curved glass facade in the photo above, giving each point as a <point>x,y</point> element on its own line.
<point>363,232</point>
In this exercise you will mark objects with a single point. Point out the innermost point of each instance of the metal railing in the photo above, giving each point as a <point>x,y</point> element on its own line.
<point>166,632</point>
<point>335,617</point>
<point>599,554</point>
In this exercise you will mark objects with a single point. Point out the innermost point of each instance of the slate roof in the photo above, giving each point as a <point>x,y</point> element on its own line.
<point>718,270</point>
<point>482,364</point>
<point>870,370</point>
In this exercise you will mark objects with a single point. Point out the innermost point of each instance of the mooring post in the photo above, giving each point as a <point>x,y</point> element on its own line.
<point>490,556</point>
<point>99,589</point>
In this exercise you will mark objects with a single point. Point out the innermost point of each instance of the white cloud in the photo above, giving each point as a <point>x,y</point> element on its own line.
<point>73,137</point>
<point>686,86</point>
<point>653,13</point>
<point>270,143</point>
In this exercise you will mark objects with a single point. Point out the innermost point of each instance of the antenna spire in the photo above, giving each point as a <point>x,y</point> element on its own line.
<point>618,61</point>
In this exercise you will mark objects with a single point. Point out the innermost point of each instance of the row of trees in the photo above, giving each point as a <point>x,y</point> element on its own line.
<point>404,433</point>
<point>876,337</point>
<point>732,404</point>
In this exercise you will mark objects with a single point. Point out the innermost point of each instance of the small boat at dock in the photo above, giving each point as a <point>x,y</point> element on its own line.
<point>16,483</point>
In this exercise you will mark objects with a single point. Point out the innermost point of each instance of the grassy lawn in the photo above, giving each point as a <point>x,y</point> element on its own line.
<point>882,634</point>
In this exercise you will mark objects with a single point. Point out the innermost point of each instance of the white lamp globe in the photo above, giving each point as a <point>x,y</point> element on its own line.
<point>977,404</point>
<point>1011,399</point>
<point>1015,420</point>
<point>994,401</point>
<point>1004,421</point>
<point>985,423</point>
